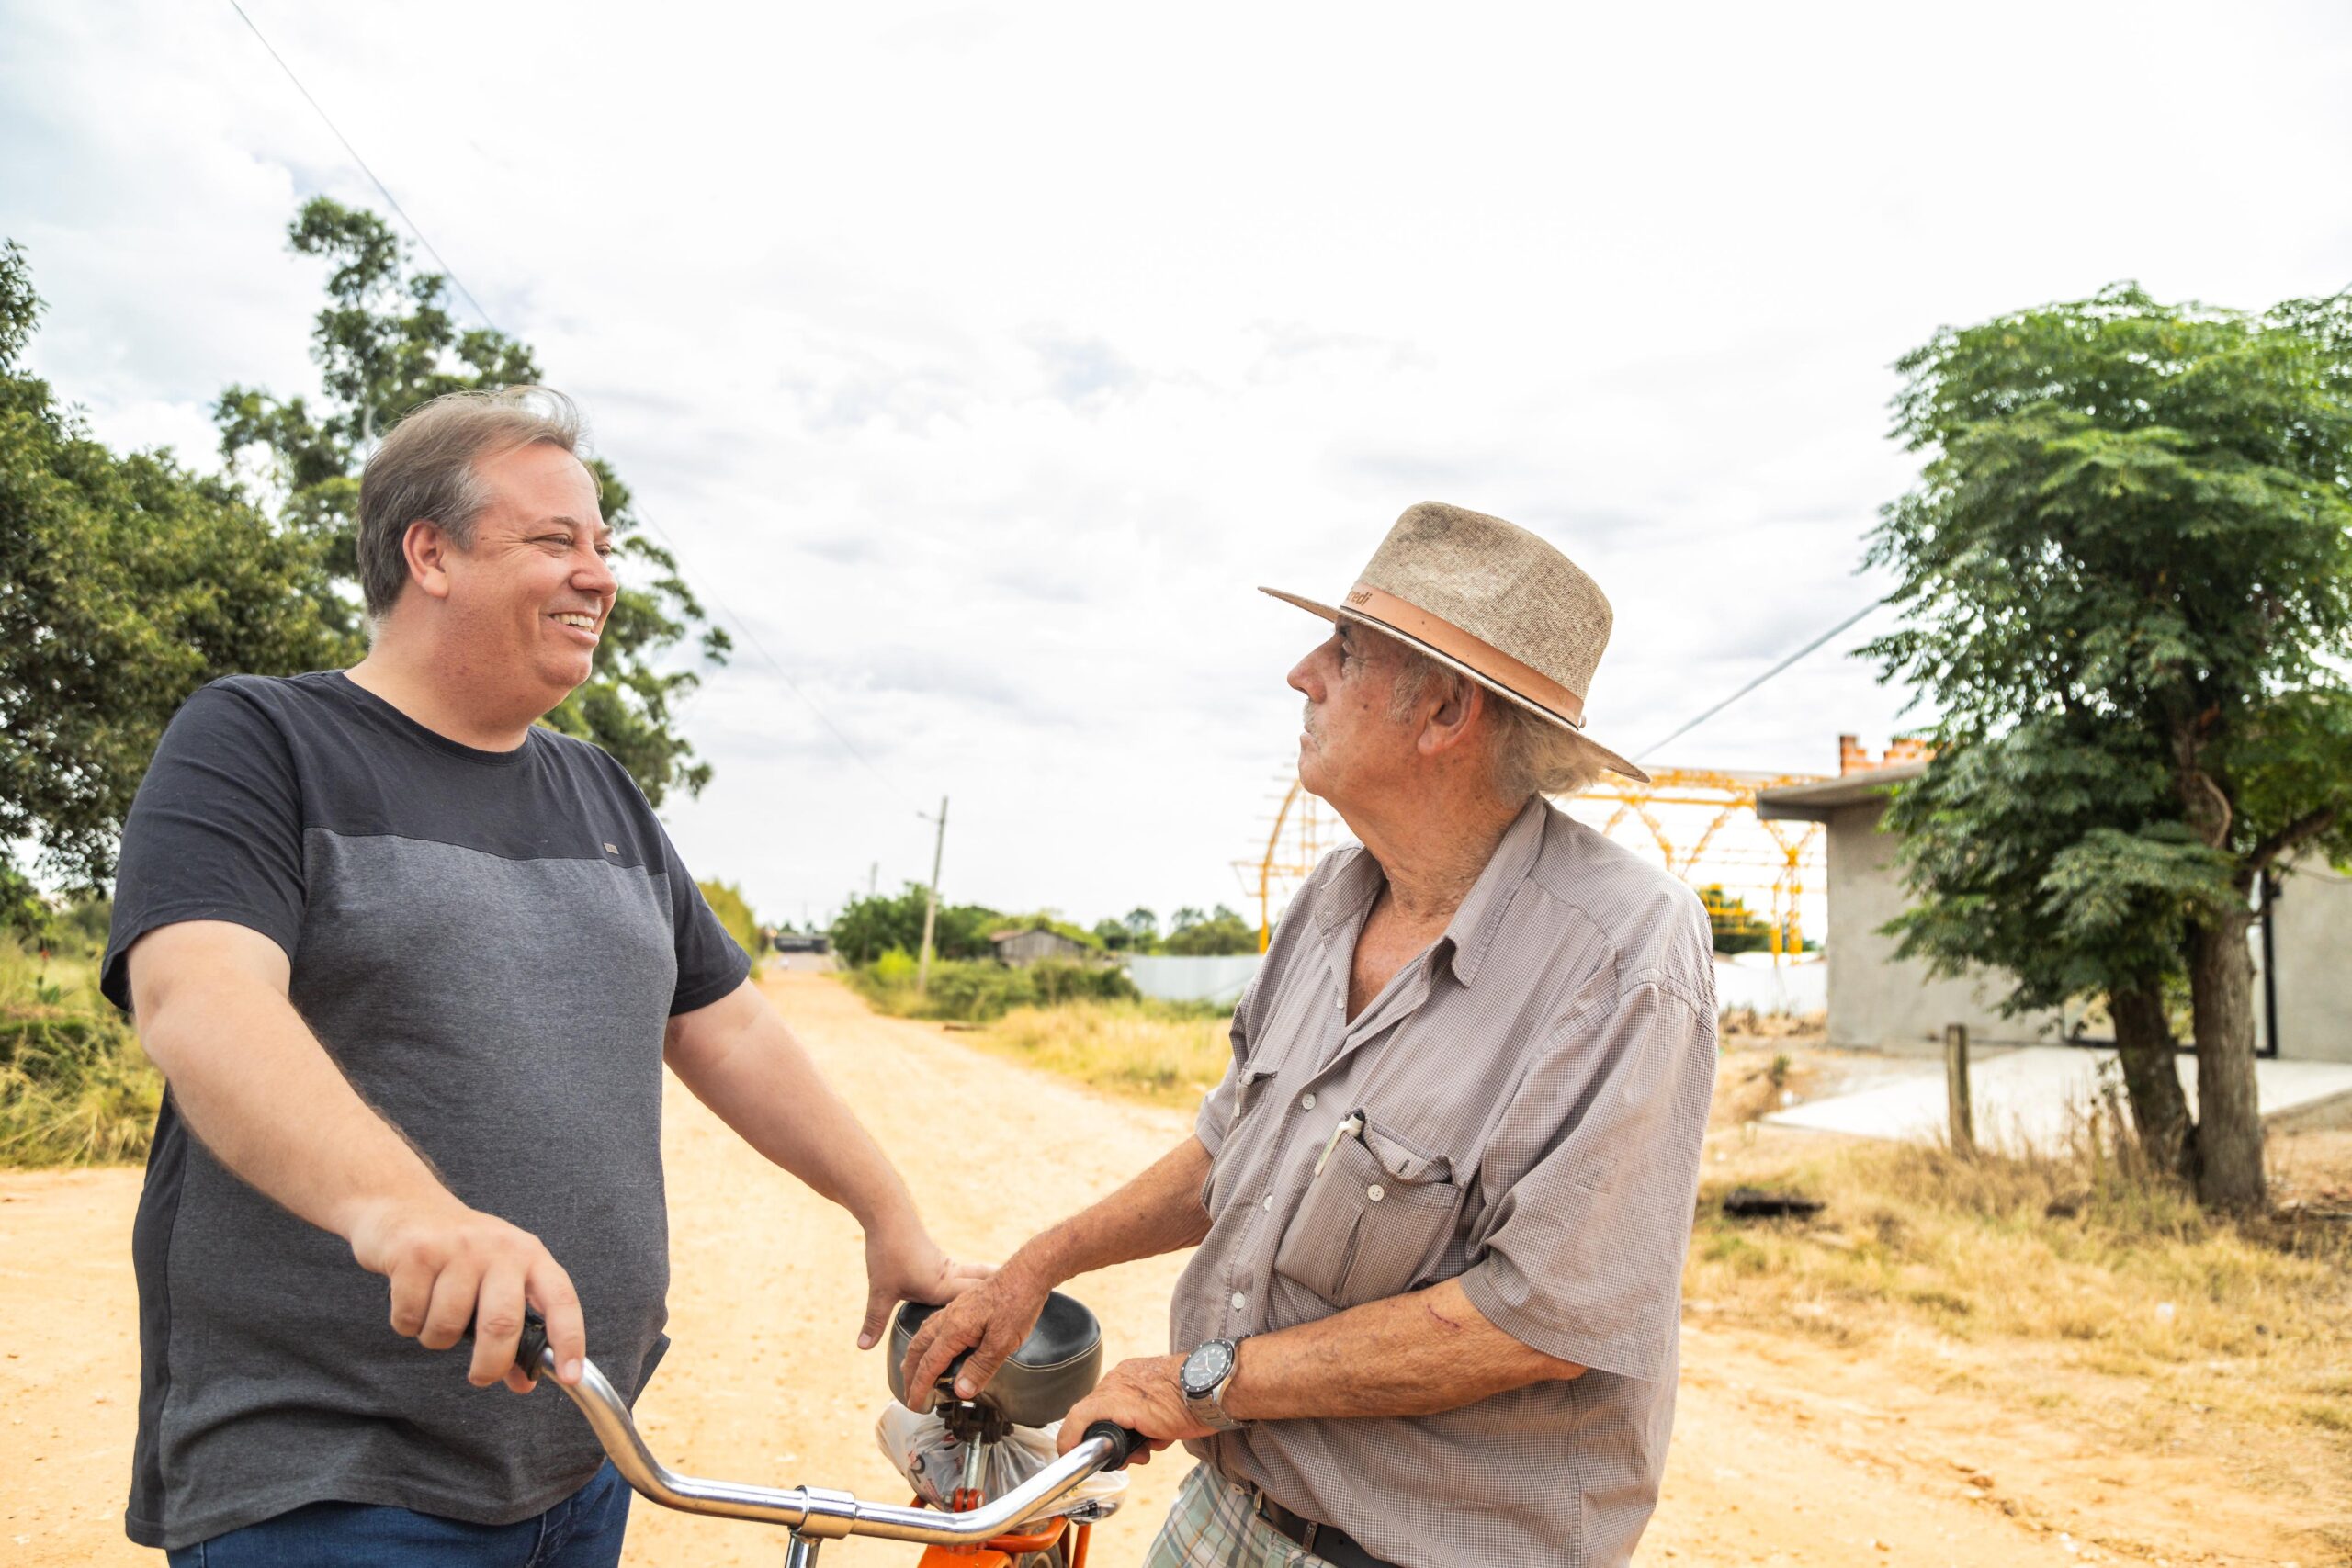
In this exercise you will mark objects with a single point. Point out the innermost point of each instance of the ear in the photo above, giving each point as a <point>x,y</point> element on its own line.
<point>1449,724</point>
<point>426,547</point>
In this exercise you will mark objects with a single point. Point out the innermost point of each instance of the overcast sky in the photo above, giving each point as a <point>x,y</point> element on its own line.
<point>982,360</point>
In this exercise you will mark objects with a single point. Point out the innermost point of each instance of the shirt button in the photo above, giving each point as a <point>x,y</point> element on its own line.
<point>1239,1300</point>
<point>1375,1192</point>
<point>1307,1103</point>
<point>1268,1204</point>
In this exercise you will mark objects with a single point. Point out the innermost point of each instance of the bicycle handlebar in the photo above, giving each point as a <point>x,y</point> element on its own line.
<point>816,1511</point>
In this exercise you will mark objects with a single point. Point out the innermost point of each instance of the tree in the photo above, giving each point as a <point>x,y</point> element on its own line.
<point>2130,542</point>
<point>1143,927</point>
<point>869,927</point>
<point>387,342</point>
<point>2050,852</point>
<point>1218,934</point>
<point>126,582</point>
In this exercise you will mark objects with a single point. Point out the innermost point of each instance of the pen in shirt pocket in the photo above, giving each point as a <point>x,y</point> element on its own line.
<point>1350,1126</point>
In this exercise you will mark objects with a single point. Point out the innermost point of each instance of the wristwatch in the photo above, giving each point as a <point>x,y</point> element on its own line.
<point>1205,1374</point>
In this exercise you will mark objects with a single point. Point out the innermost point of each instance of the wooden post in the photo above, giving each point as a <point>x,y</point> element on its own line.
<point>1963,1119</point>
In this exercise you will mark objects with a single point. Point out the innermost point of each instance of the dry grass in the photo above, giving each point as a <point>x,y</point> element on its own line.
<point>74,1087</point>
<point>1154,1052</point>
<point>2073,1285</point>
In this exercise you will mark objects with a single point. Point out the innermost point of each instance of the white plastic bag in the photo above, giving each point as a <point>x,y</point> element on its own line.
<point>932,1462</point>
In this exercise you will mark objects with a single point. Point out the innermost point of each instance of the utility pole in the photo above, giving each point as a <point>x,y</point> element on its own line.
<point>930,905</point>
<point>874,876</point>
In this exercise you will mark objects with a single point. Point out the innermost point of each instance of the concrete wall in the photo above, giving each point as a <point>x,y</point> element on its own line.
<point>2313,942</point>
<point>1877,1000</point>
<point>1178,979</point>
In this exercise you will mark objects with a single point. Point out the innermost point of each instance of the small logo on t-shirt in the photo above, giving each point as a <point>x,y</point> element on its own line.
<point>611,849</point>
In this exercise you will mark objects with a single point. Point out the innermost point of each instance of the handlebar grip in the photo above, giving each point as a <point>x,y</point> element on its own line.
<point>1126,1442</point>
<point>529,1349</point>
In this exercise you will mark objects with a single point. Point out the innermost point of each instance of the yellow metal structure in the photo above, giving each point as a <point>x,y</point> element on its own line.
<point>1700,823</point>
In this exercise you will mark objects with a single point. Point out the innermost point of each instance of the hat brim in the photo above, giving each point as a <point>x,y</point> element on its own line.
<point>1599,754</point>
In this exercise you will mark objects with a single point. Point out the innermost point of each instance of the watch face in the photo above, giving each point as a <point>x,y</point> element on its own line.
<point>1206,1367</point>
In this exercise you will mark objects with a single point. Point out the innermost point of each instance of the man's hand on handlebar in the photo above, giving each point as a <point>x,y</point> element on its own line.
<point>453,1267</point>
<point>1144,1395</point>
<point>992,1319</point>
<point>908,1266</point>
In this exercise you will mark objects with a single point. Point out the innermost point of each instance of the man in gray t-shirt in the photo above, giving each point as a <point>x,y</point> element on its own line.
<point>412,967</point>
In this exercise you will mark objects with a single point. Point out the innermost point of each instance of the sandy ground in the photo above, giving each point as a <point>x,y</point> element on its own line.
<point>1785,1452</point>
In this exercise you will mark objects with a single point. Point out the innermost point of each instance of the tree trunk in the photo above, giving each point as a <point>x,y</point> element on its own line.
<point>2229,1131</point>
<point>2143,1042</point>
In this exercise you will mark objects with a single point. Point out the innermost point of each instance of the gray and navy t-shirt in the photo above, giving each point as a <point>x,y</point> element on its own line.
<point>488,944</point>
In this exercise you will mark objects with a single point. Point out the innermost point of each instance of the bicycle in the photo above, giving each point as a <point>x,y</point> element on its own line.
<point>1056,1366</point>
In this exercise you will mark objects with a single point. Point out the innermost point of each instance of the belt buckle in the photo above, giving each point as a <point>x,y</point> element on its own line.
<point>1305,1540</point>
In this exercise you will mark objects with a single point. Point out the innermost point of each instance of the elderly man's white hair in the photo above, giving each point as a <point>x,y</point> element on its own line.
<point>1529,755</point>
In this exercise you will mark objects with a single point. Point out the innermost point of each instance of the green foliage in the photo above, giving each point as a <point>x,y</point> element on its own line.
<point>734,912</point>
<point>2127,583</point>
<point>981,992</point>
<point>1738,929</point>
<point>1220,933</point>
<point>868,927</point>
<point>74,1087</point>
<point>126,582</point>
<point>387,342</point>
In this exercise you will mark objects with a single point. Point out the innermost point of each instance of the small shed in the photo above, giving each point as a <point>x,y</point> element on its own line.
<point>1026,947</point>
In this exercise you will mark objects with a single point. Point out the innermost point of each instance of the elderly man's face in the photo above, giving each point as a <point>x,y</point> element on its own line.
<point>530,597</point>
<point>1351,738</point>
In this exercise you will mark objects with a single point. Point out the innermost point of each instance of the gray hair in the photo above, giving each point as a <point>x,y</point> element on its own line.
<point>425,472</point>
<point>1526,755</point>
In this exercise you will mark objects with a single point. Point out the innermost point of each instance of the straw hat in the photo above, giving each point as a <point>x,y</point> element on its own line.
<point>1492,600</point>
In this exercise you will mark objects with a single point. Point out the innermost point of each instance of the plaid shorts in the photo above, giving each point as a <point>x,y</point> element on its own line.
<point>1215,1524</point>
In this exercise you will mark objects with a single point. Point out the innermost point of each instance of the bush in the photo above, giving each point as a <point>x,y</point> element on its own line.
<point>969,992</point>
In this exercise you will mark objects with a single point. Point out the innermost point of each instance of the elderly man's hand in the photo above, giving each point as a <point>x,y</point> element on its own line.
<point>908,1266</point>
<point>1143,1395</point>
<point>991,1321</point>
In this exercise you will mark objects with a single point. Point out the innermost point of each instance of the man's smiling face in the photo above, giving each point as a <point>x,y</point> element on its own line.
<point>530,595</point>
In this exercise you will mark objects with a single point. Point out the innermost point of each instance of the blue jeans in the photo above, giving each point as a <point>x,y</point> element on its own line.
<point>582,1531</point>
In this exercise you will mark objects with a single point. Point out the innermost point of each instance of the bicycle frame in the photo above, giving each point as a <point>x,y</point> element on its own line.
<point>815,1514</point>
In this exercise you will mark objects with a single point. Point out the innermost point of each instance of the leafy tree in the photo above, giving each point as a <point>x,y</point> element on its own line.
<point>869,927</point>
<point>2129,545</point>
<point>387,342</point>
<point>1113,935</point>
<point>1188,915</point>
<point>1214,935</point>
<point>2052,851</point>
<point>1143,927</point>
<point>126,582</point>
<point>1736,927</point>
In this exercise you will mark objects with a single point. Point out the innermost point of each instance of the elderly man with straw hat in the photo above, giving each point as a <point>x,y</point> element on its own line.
<point>1442,1194</point>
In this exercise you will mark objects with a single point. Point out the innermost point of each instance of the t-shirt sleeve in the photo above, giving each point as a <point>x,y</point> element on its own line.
<point>215,832</point>
<point>711,963</point>
<point>1596,1159</point>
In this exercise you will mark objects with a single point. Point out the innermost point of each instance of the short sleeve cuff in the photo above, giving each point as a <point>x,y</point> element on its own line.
<point>114,973</point>
<point>693,999</point>
<point>1509,1300</point>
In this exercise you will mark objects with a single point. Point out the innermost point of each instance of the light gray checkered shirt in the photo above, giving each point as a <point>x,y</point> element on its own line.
<point>1534,1087</point>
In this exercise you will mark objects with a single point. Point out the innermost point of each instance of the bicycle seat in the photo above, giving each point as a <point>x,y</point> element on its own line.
<point>1056,1366</point>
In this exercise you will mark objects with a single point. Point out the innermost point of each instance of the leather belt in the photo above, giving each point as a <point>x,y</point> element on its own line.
<point>1329,1542</point>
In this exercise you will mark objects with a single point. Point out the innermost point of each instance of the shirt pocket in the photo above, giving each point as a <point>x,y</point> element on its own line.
<point>1372,1221</point>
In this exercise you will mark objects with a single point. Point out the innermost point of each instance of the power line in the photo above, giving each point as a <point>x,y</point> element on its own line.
<point>1849,621</point>
<point>390,199</point>
<point>677,551</point>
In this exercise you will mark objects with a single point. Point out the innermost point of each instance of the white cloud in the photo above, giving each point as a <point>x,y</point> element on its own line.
<point>984,360</point>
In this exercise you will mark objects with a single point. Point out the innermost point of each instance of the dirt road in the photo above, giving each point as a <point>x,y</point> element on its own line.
<point>1784,1452</point>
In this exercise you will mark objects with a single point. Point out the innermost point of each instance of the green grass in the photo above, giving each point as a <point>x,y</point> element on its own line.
<point>968,991</point>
